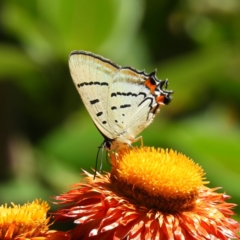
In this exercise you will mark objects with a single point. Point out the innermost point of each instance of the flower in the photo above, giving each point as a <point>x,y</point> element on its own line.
<point>27,222</point>
<point>149,194</point>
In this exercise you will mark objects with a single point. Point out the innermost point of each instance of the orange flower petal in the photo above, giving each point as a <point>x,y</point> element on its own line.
<point>102,211</point>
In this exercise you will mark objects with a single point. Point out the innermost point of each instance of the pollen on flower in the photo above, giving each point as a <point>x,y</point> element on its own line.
<point>158,178</point>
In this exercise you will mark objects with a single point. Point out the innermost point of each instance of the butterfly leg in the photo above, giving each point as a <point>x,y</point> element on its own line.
<point>140,138</point>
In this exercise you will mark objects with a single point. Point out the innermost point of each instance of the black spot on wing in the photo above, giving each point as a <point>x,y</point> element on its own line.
<point>91,83</point>
<point>113,107</point>
<point>80,85</point>
<point>104,122</point>
<point>125,106</point>
<point>145,99</point>
<point>115,94</point>
<point>94,101</point>
<point>131,94</point>
<point>99,114</point>
<point>142,93</point>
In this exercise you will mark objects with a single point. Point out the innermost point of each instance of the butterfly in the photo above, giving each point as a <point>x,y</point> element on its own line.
<point>121,101</point>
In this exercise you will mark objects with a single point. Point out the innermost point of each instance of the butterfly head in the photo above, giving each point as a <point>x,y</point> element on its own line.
<point>116,144</point>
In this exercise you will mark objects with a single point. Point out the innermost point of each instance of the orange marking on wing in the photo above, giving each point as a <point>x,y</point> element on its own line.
<point>151,86</point>
<point>160,99</point>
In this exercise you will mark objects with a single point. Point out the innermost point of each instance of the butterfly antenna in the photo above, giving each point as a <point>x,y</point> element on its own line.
<point>96,162</point>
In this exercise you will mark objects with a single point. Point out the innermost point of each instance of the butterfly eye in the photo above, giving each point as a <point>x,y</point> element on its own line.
<point>107,144</point>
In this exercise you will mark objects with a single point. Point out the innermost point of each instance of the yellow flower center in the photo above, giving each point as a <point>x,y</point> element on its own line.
<point>157,178</point>
<point>29,219</point>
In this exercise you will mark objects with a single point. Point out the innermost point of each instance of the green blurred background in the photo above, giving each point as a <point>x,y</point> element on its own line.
<point>47,135</point>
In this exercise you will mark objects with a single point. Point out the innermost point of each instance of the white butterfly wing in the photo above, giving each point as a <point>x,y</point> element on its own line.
<point>92,76</point>
<point>132,106</point>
